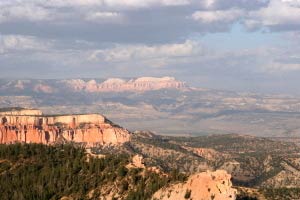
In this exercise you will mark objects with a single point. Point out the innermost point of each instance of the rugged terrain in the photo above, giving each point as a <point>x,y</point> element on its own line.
<point>163,105</point>
<point>271,167</point>
<point>251,161</point>
<point>150,166</point>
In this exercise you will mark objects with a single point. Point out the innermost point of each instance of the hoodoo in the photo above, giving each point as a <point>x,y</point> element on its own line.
<point>32,126</point>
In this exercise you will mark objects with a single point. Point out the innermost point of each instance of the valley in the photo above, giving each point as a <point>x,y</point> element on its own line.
<point>174,135</point>
<point>162,105</point>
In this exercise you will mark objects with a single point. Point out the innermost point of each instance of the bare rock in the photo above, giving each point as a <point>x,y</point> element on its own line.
<point>31,126</point>
<point>202,186</point>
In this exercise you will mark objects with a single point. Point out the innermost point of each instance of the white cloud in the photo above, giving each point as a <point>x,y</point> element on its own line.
<point>208,3</point>
<point>27,12</point>
<point>275,67</point>
<point>176,2</point>
<point>119,4</point>
<point>13,43</point>
<point>278,12</point>
<point>104,16</point>
<point>71,3</point>
<point>42,10</point>
<point>143,52</point>
<point>143,3</point>
<point>227,16</point>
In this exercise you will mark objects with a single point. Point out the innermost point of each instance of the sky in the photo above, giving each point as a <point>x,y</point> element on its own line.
<point>243,45</point>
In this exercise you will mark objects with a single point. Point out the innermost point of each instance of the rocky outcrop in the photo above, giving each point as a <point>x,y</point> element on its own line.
<point>203,186</point>
<point>137,162</point>
<point>31,126</point>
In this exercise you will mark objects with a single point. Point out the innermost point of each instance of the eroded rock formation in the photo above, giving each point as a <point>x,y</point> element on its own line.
<point>121,85</point>
<point>137,162</point>
<point>31,126</point>
<point>202,186</point>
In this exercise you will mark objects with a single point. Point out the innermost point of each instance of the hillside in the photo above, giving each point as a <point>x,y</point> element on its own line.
<point>150,164</point>
<point>251,161</point>
<point>64,172</point>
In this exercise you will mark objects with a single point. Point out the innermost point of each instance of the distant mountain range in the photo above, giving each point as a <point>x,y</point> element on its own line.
<point>92,85</point>
<point>163,105</point>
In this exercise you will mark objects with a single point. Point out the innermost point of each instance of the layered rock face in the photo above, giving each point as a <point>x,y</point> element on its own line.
<point>31,126</point>
<point>202,186</point>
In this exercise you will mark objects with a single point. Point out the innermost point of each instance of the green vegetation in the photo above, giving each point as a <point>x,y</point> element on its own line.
<point>281,193</point>
<point>34,171</point>
<point>240,197</point>
<point>187,194</point>
<point>244,194</point>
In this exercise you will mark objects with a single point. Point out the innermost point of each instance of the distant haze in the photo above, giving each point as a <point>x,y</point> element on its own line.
<point>164,105</point>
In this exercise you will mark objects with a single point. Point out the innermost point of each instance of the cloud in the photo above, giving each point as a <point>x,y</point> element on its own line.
<point>117,4</point>
<point>230,4</point>
<point>25,12</point>
<point>278,67</point>
<point>13,43</point>
<point>148,37</point>
<point>71,3</point>
<point>279,14</point>
<point>131,3</point>
<point>273,14</point>
<point>143,52</point>
<point>104,17</point>
<point>218,16</point>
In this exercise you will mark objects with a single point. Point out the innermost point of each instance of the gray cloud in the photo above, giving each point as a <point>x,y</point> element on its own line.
<point>149,21</point>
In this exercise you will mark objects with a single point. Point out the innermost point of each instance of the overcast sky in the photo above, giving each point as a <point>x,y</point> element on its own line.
<point>250,45</point>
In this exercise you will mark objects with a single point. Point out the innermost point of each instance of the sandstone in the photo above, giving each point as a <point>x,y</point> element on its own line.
<point>202,186</point>
<point>137,162</point>
<point>31,126</point>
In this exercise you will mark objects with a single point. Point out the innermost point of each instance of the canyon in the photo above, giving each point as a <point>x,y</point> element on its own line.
<point>210,164</point>
<point>32,126</point>
<point>163,105</point>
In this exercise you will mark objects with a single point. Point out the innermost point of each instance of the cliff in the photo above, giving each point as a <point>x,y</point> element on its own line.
<point>31,126</point>
<point>122,85</point>
<point>202,186</point>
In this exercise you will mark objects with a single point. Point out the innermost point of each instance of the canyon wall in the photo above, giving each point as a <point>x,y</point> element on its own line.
<point>87,129</point>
